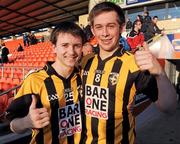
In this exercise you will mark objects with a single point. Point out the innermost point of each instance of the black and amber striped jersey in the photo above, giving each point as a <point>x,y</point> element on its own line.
<point>60,96</point>
<point>109,86</point>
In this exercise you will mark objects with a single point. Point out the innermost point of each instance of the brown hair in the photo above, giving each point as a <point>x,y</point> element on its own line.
<point>107,7</point>
<point>67,27</point>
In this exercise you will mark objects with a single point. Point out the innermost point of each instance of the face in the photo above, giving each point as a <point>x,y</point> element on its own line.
<point>87,49</point>
<point>107,30</point>
<point>138,25</point>
<point>68,49</point>
<point>155,20</point>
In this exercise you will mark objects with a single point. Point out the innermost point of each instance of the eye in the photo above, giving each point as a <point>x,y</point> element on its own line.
<point>111,26</point>
<point>65,45</point>
<point>98,27</point>
<point>78,46</point>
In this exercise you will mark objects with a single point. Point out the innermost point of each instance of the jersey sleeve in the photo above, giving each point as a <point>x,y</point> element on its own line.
<point>19,107</point>
<point>146,83</point>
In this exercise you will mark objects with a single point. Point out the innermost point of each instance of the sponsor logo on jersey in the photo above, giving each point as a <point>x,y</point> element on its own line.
<point>113,78</point>
<point>53,97</point>
<point>99,72</point>
<point>96,101</point>
<point>85,73</point>
<point>69,120</point>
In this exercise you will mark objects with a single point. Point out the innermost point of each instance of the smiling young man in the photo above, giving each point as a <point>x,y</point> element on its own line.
<point>111,78</point>
<point>53,112</point>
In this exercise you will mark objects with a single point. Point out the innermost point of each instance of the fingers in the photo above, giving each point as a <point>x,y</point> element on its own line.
<point>144,60</point>
<point>33,103</point>
<point>38,117</point>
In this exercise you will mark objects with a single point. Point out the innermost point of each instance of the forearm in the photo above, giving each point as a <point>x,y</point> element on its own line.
<point>19,125</point>
<point>167,98</point>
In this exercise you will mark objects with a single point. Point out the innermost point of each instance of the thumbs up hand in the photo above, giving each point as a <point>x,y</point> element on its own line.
<point>37,117</point>
<point>147,61</point>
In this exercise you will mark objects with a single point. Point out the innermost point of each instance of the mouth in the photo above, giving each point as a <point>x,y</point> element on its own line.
<point>72,58</point>
<point>106,41</point>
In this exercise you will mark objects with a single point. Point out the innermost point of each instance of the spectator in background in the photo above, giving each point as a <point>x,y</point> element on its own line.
<point>26,39</point>
<point>128,24</point>
<point>88,33</point>
<point>32,39</point>
<point>4,53</point>
<point>139,17</point>
<point>147,17</point>
<point>87,49</point>
<point>146,22</point>
<point>20,48</point>
<point>156,28</point>
<point>136,38</point>
<point>152,29</point>
<point>123,42</point>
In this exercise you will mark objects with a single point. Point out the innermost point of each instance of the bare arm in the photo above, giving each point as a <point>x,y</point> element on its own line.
<point>167,98</point>
<point>166,92</point>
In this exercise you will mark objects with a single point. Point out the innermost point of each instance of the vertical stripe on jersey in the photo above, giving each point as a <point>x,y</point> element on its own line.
<point>110,124</point>
<point>125,122</point>
<point>54,110</point>
<point>95,121</point>
<point>40,135</point>
<point>84,78</point>
<point>67,85</point>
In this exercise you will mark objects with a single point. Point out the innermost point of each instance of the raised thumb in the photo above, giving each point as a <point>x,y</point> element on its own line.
<point>33,103</point>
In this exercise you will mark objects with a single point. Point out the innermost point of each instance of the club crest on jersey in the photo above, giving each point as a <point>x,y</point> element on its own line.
<point>113,78</point>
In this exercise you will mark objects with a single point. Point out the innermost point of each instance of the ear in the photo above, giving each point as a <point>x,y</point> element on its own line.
<point>122,28</point>
<point>92,30</point>
<point>54,48</point>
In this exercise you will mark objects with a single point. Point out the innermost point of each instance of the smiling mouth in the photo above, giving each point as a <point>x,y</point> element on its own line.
<point>106,41</point>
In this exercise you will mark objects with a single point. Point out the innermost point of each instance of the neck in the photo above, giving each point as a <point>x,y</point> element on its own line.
<point>62,70</point>
<point>105,54</point>
<point>136,29</point>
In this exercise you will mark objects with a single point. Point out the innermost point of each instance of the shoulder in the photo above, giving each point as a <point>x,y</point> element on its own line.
<point>129,61</point>
<point>36,74</point>
<point>132,34</point>
<point>86,59</point>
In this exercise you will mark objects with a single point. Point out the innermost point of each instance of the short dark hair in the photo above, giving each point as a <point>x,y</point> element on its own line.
<point>155,17</point>
<point>67,27</point>
<point>106,7</point>
<point>146,12</point>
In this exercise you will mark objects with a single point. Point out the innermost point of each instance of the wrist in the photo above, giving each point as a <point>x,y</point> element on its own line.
<point>161,74</point>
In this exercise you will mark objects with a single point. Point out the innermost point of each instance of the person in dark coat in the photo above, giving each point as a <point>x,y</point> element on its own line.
<point>152,29</point>
<point>4,54</point>
<point>20,48</point>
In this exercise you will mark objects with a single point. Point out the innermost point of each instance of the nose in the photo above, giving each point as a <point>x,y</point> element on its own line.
<point>71,50</point>
<point>105,32</point>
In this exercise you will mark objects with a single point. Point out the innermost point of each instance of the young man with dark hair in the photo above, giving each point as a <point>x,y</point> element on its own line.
<point>48,101</point>
<point>111,78</point>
